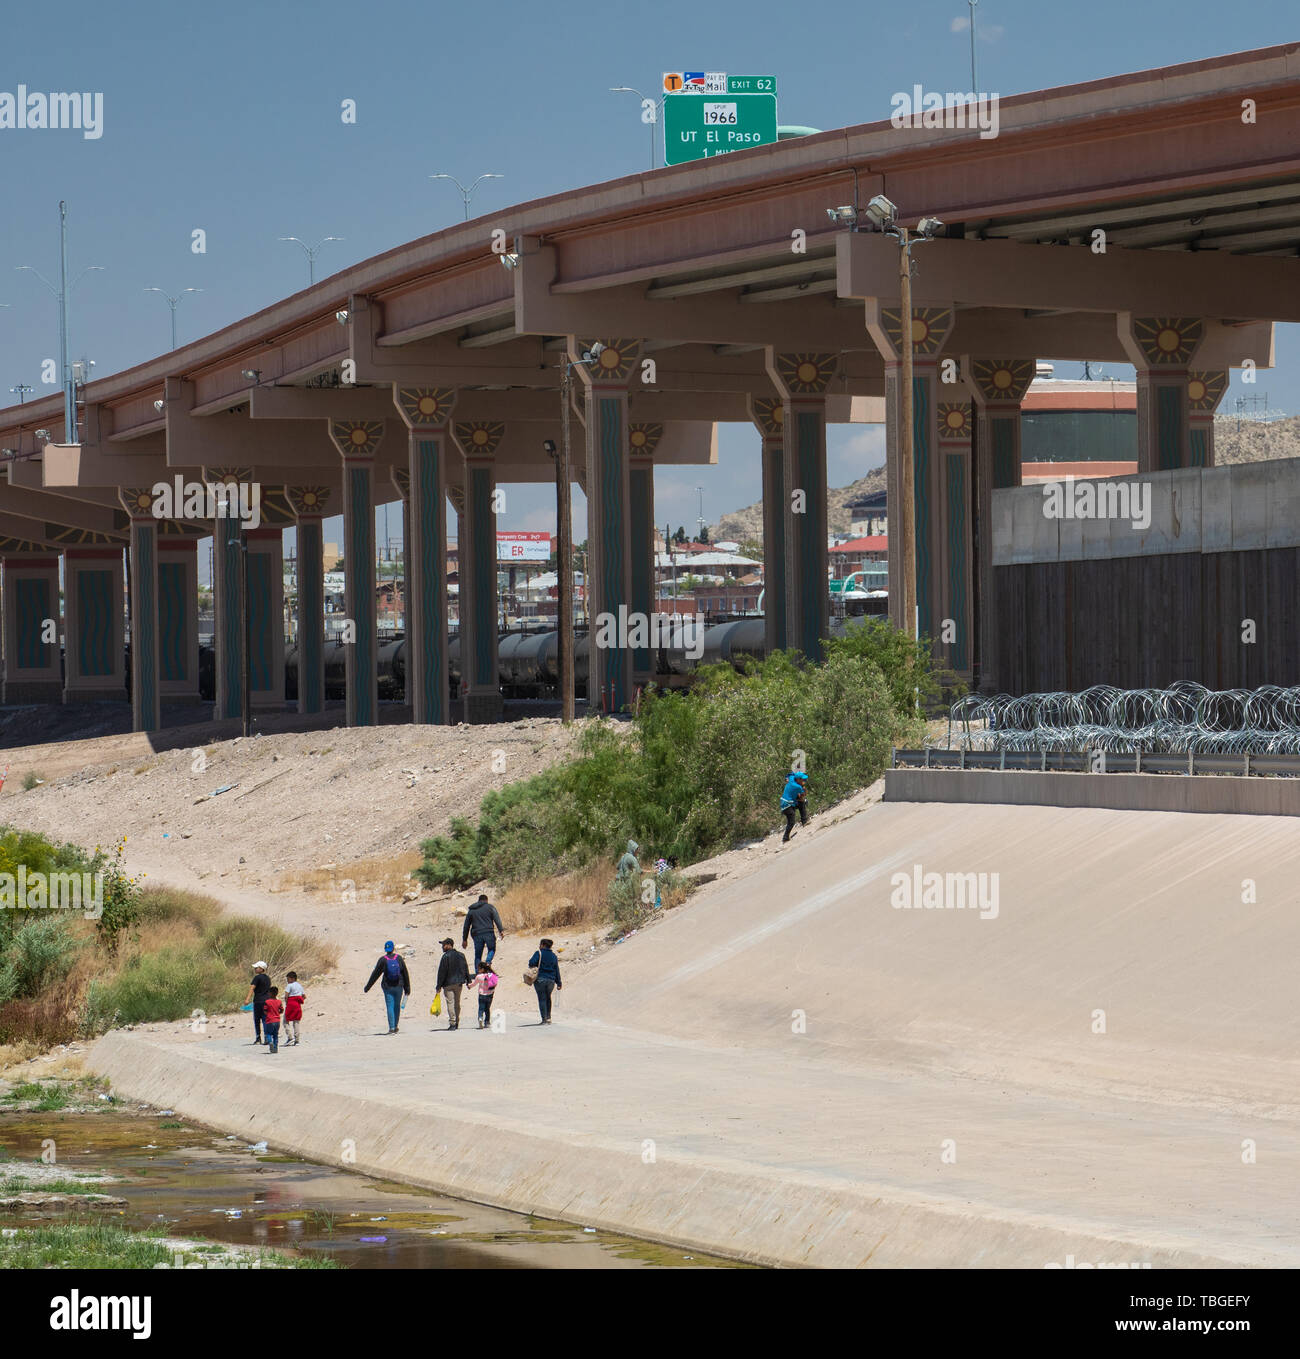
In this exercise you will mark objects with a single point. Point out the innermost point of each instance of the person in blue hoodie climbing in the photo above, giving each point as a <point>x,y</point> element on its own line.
<point>391,971</point>
<point>794,799</point>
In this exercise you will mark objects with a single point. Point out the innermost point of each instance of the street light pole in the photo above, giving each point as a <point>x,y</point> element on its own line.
<point>911,622</point>
<point>312,252</point>
<point>171,302</point>
<point>974,85</point>
<point>649,106</point>
<point>466,194</point>
<point>21,391</point>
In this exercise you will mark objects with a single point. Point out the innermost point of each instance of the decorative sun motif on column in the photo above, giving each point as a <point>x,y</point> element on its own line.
<point>1168,341</point>
<point>227,476</point>
<point>806,374</point>
<point>426,405</point>
<point>357,438</point>
<point>615,360</point>
<point>479,438</point>
<point>1205,388</point>
<point>642,439</point>
<point>1003,379</point>
<point>930,327</point>
<point>954,420</point>
<point>308,501</point>
<point>768,413</point>
<point>137,501</point>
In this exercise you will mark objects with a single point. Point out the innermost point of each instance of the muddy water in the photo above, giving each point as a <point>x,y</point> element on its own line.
<point>198,1183</point>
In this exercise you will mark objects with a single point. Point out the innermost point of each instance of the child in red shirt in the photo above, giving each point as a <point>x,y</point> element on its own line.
<point>271,1024</point>
<point>294,996</point>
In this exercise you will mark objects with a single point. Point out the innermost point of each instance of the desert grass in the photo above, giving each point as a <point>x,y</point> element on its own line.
<point>387,876</point>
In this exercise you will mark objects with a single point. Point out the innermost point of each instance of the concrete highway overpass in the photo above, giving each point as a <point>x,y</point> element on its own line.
<point>1151,218</point>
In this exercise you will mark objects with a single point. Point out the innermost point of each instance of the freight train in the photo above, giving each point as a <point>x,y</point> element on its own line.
<point>528,661</point>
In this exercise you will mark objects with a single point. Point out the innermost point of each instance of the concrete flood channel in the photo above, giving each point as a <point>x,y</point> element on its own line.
<point>202,1184</point>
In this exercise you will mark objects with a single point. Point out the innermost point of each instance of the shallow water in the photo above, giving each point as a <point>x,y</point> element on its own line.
<point>202,1184</point>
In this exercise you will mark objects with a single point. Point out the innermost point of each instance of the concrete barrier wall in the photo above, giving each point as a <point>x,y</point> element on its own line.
<point>1238,508</point>
<point>1122,792</point>
<point>761,1214</point>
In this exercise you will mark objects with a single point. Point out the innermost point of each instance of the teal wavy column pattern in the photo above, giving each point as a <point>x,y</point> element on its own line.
<point>231,651</point>
<point>1004,450</point>
<point>613,547</point>
<point>1169,425</point>
<point>484,567</point>
<point>430,584</point>
<point>94,641</point>
<point>641,492</point>
<point>1198,439</point>
<point>921,480</point>
<point>311,615</point>
<point>32,605</point>
<point>810,532</point>
<point>359,565</point>
<point>144,625</point>
<point>957,513</point>
<point>259,622</point>
<point>774,511</point>
<point>171,620</point>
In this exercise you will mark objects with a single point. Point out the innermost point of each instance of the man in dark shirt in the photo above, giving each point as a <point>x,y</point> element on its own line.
<point>258,990</point>
<point>483,922</point>
<point>453,975</point>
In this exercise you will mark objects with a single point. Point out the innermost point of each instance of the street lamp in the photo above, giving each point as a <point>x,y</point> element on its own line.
<point>466,194</point>
<point>312,252</point>
<point>21,391</point>
<point>649,112</point>
<point>61,294</point>
<point>883,214</point>
<point>171,302</point>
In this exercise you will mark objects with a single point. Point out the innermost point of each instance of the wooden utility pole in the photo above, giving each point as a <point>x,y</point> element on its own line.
<point>564,554</point>
<point>906,537</point>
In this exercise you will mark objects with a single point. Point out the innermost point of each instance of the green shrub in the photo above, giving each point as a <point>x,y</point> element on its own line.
<point>37,954</point>
<point>171,984</point>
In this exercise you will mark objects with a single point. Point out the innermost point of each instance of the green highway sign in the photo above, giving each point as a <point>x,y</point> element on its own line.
<point>751,84</point>
<point>697,126</point>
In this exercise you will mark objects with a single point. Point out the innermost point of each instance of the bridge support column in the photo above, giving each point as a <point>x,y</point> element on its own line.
<point>642,440</point>
<point>309,510</point>
<point>1205,390</point>
<point>178,616</point>
<point>95,632</point>
<point>357,442</point>
<point>930,328</point>
<point>1161,349</point>
<point>802,380</point>
<point>228,607</point>
<point>998,387</point>
<point>146,673</point>
<point>426,412</point>
<point>266,616</point>
<point>954,639</point>
<point>477,552</point>
<point>768,415</point>
<point>609,521</point>
<point>31,626</point>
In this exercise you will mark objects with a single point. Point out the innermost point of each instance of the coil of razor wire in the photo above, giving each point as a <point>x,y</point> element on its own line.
<point>1185,716</point>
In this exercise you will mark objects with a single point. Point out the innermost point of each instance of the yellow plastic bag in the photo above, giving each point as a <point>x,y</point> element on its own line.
<point>436,1007</point>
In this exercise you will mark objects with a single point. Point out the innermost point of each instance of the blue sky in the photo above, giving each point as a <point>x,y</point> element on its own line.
<point>225,116</point>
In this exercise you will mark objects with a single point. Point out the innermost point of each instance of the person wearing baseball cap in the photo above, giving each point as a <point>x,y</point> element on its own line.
<point>453,976</point>
<point>396,982</point>
<point>258,990</point>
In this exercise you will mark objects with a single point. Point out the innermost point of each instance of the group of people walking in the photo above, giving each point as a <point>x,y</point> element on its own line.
<point>269,1011</point>
<point>482,925</point>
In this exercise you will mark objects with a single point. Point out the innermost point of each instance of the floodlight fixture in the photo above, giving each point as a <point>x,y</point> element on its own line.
<point>548,447</point>
<point>341,317</point>
<point>158,405</point>
<point>252,374</point>
<point>845,215</point>
<point>929,227</point>
<point>881,211</point>
<point>43,434</point>
<point>510,260</point>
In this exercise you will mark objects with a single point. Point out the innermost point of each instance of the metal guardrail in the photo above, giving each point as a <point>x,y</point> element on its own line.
<point>1248,764</point>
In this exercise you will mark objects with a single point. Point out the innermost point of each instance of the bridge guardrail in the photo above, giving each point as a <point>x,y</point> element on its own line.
<point>1246,764</point>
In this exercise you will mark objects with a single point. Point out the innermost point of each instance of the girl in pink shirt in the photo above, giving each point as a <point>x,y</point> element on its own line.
<point>486,982</point>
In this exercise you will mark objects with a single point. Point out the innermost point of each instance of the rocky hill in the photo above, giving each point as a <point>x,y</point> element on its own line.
<point>747,524</point>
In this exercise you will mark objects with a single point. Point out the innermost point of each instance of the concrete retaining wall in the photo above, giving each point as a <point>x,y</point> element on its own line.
<point>751,1212</point>
<point>1123,792</point>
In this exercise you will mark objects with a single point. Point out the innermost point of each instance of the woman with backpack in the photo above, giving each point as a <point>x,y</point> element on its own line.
<point>396,982</point>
